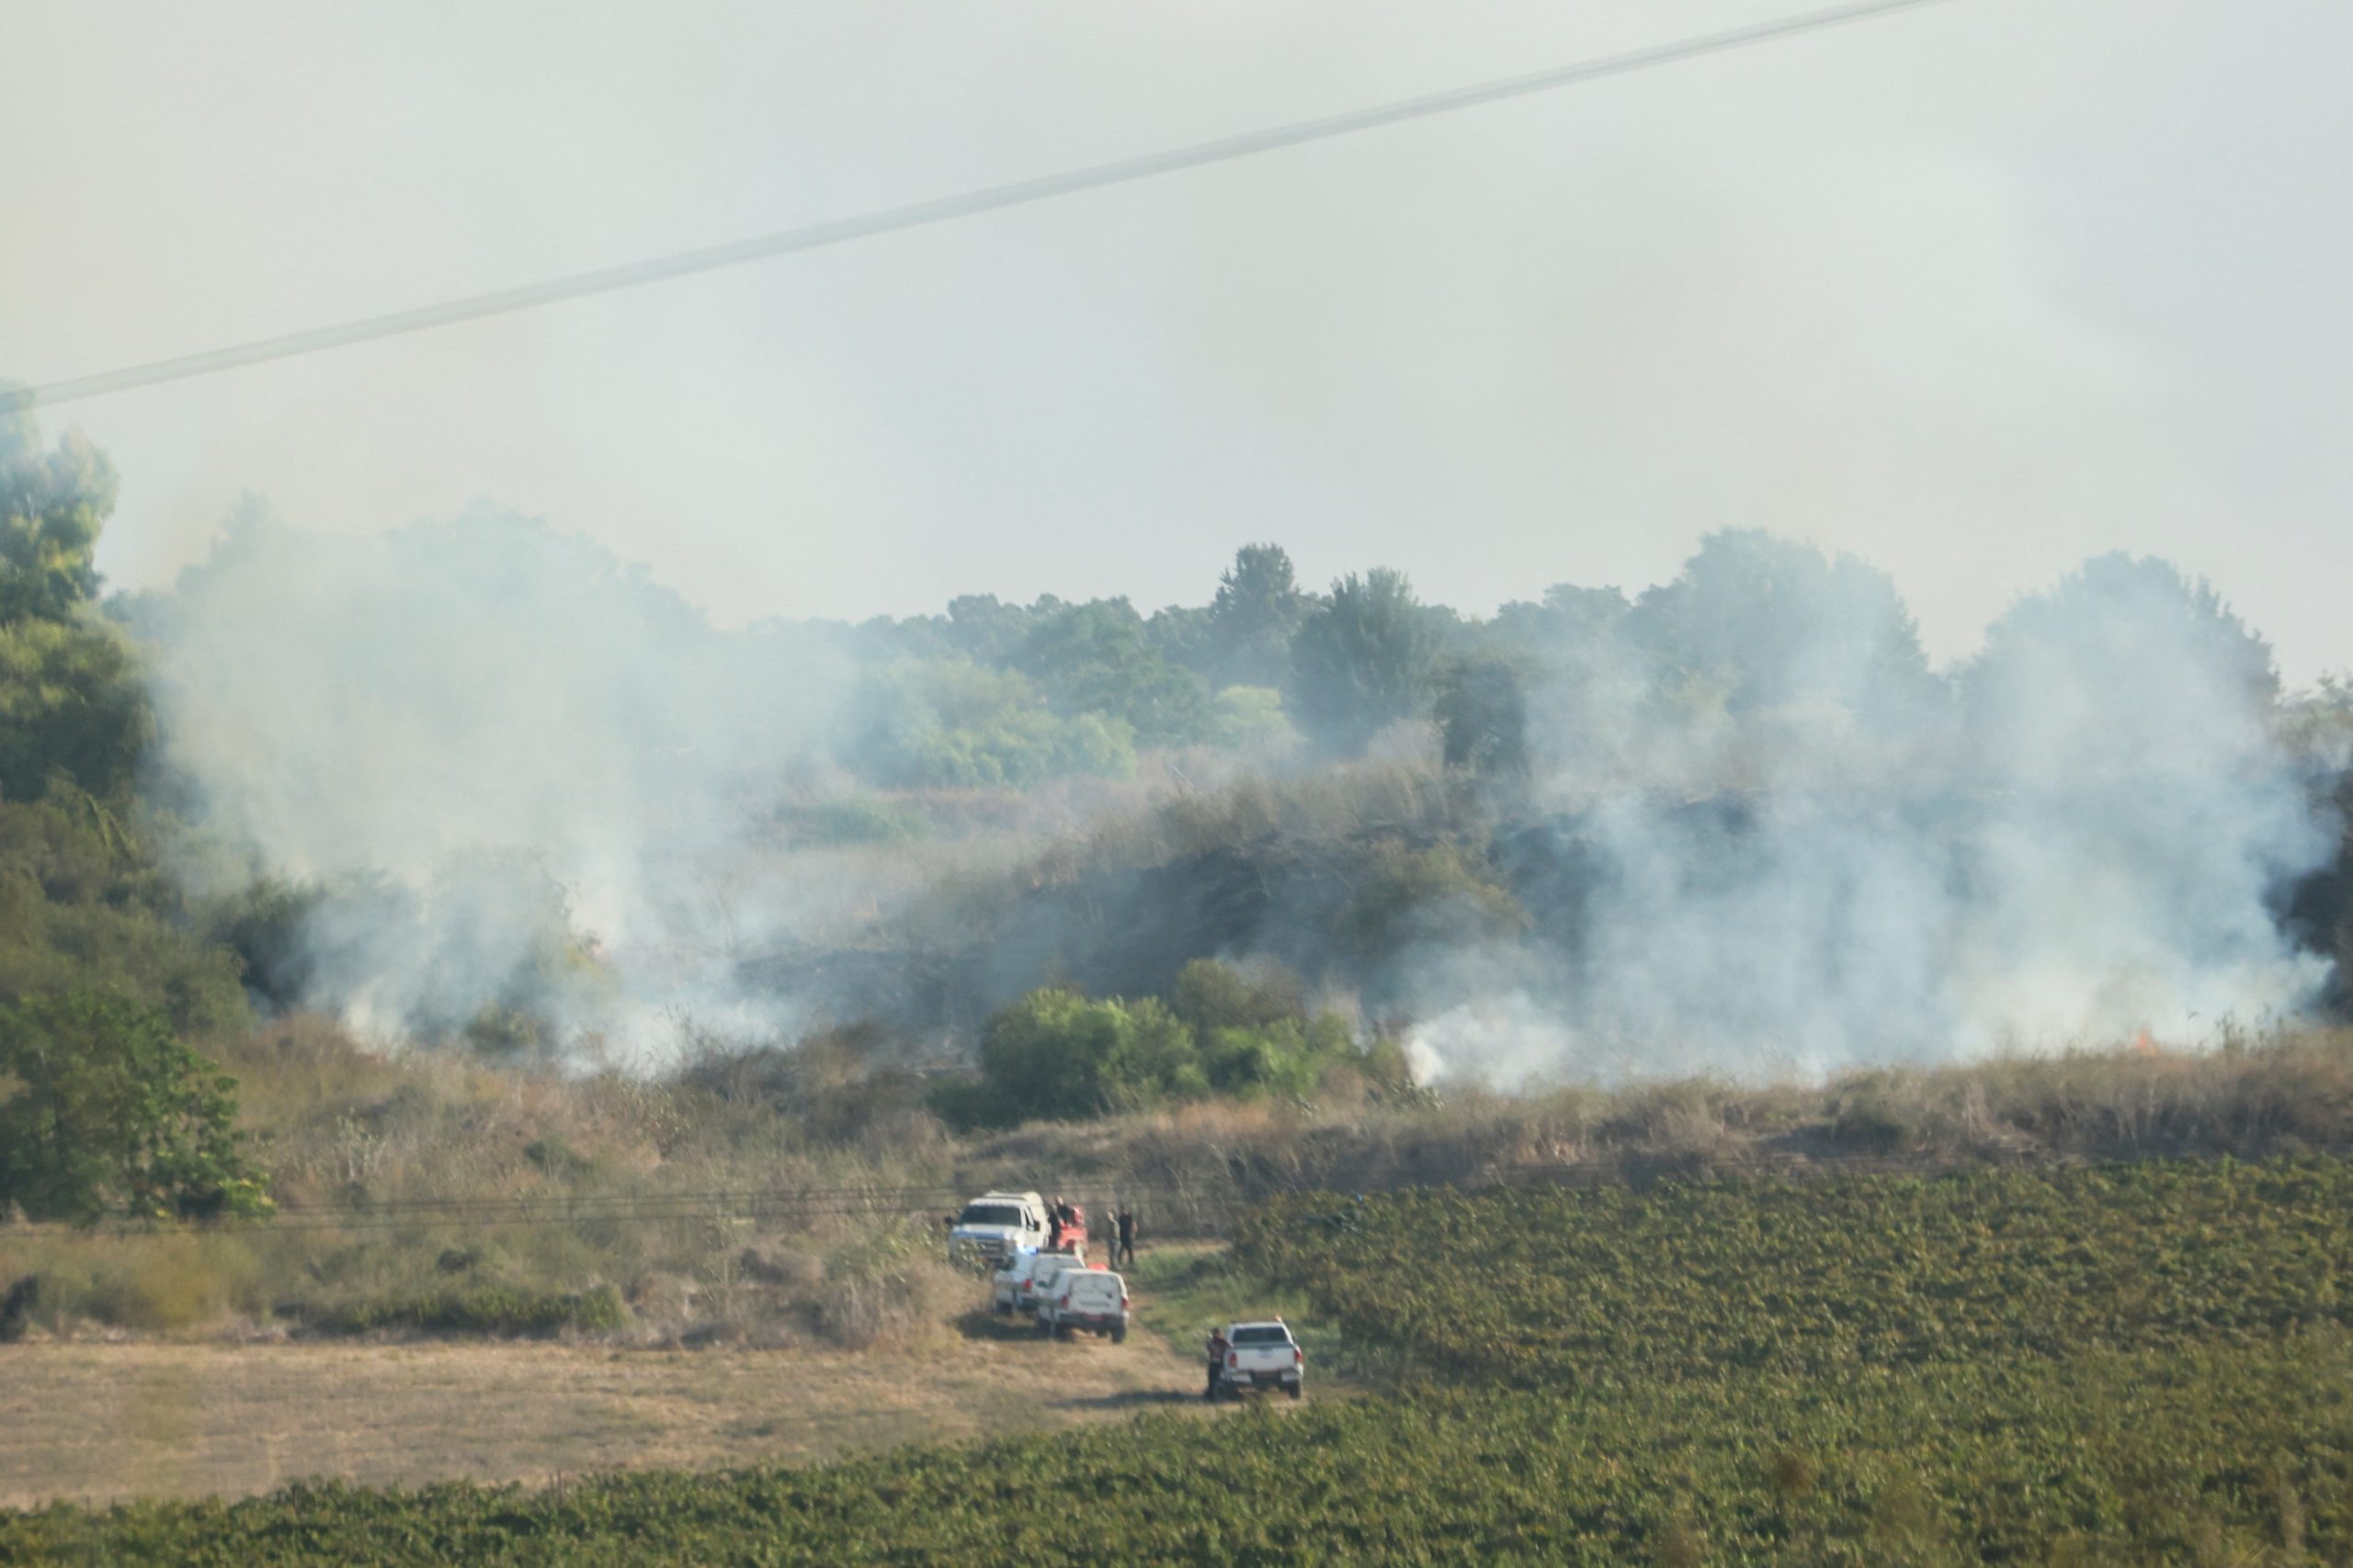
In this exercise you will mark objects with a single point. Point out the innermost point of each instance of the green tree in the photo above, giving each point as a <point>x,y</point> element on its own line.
<point>1481,712</point>
<point>1255,614</point>
<point>1439,894</point>
<point>2125,663</point>
<point>1361,661</point>
<point>1210,995</point>
<point>71,700</point>
<point>71,705</point>
<point>1097,658</point>
<point>52,503</point>
<point>1057,1055</point>
<point>1769,622</point>
<point>103,1111</point>
<point>952,723</point>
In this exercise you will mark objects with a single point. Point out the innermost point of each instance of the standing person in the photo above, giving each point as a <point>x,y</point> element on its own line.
<point>1217,1348</point>
<point>1055,1213</point>
<point>1124,1252</point>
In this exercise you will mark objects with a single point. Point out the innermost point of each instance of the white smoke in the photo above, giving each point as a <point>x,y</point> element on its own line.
<point>2080,838</point>
<point>528,777</point>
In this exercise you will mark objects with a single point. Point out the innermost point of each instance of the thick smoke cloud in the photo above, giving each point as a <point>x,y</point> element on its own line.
<point>527,780</point>
<point>538,795</point>
<point>2082,837</point>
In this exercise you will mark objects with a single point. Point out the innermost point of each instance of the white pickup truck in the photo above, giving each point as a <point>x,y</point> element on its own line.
<point>1093,1299</point>
<point>1259,1356</point>
<point>1018,1287</point>
<point>995,1227</point>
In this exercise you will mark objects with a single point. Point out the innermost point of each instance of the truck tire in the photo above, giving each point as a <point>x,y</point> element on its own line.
<point>1120,1335</point>
<point>1062,1331</point>
<point>1293,1390</point>
<point>1045,1329</point>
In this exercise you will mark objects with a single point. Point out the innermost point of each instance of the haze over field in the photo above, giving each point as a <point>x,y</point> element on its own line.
<point>1848,463</point>
<point>1975,293</point>
<point>1745,825</point>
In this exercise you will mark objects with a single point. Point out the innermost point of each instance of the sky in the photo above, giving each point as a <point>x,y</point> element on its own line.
<point>1974,291</point>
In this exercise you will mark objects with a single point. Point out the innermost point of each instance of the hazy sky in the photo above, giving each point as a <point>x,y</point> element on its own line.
<point>1975,292</point>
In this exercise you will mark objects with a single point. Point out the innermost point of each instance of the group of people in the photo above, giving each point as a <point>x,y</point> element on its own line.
<point>1067,1226</point>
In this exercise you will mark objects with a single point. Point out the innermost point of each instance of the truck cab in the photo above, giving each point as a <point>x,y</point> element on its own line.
<point>995,1227</point>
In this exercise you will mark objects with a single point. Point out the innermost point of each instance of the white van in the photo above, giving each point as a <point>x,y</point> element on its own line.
<point>1011,1288</point>
<point>1044,1272</point>
<point>1093,1299</point>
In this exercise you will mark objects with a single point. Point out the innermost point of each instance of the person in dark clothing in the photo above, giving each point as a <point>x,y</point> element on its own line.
<point>1123,1252</point>
<point>1218,1348</point>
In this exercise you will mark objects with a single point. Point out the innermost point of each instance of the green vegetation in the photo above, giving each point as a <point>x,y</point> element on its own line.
<point>487,1309</point>
<point>110,1114</point>
<point>1182,1288</point>
<point>2220,1455</point>
<point>1059,1055</point>
<point>1825,1278</point>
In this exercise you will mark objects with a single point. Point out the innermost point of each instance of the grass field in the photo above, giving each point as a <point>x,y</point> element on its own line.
<point>2220,1455</point>
<point>2121,1364</point>
<point>105,1421</point>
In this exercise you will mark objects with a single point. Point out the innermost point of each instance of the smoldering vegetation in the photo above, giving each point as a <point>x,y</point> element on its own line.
<point>472,781</point>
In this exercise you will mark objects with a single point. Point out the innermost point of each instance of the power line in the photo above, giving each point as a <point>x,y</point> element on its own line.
<point>783,242</point>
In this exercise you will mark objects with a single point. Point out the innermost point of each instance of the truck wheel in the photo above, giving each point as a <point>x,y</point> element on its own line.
<point>1293,1390</point>
<point>1062,1331</point>
<point>1119,1336</point>
<point>1044,1328</point>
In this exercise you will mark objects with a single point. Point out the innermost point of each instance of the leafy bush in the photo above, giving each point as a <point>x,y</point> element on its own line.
<point>948,723</point>
<point>1436,894</point>
<point>109,1114</point>
<point>1055,1055</point>
<point>85,907</point>
<point>501,1310</point>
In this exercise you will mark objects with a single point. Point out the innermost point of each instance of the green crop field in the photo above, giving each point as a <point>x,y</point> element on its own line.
<point>1539,1284</point>
<point>2117,1366</point>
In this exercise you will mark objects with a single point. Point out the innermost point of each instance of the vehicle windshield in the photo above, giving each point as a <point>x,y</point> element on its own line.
<point>1276,1335</point>
<point>990,1214</point>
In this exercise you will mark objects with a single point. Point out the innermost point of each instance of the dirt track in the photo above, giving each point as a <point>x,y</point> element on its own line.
<point>104,1422</point>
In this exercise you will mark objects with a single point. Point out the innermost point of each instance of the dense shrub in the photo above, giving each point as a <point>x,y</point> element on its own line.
<point>1058,1055</point>
<point>502,1310</point>
<point>107,1113</point>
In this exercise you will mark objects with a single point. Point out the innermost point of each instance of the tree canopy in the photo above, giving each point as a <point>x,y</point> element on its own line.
<point>106,1113</point>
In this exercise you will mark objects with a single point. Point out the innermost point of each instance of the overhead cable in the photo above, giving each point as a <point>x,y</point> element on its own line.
<point>785,242</point>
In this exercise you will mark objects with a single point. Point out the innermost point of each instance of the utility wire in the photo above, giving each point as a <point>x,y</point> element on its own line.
<point>784,242</point>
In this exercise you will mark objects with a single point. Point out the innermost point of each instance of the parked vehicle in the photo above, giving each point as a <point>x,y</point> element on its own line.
<point>1011,1288</point>
<point>1034,1287</point>
<point>1095,1299</point>
<point>1260,1356</point>
<point>996,1227</point>
<point>1006,1284</point>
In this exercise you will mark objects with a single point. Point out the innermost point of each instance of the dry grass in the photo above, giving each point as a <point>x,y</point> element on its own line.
<point>350,1129</point>
<point>105,1421</point>
<point>2286,1092</point>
